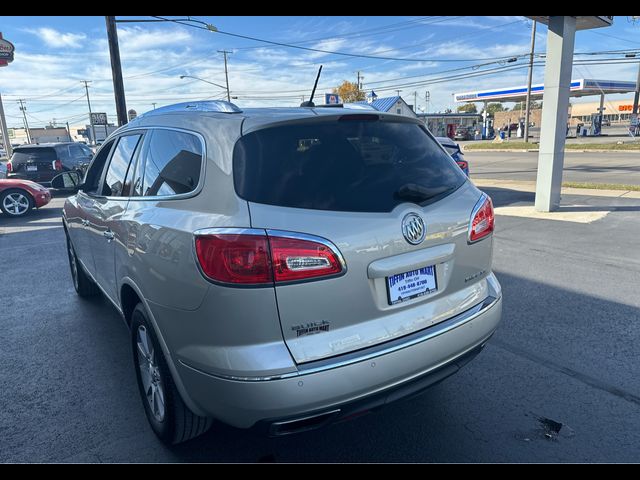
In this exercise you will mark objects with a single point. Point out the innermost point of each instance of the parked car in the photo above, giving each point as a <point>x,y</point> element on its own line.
<point>463,133</point>
<point>41,162</point>
<point>18,197</point>
<point>454,150</point>
<point>282,268</point>
<point>3,170</point>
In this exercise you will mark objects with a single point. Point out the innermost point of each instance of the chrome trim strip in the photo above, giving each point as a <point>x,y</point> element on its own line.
<point>229,231</point>
<point>399,344</point>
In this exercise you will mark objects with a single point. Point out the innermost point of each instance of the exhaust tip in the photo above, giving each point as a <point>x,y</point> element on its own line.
<point>298,425</point>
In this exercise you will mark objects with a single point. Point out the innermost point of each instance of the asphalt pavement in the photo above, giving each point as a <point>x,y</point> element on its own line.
<point>596,167</point>
<point>557,383</point>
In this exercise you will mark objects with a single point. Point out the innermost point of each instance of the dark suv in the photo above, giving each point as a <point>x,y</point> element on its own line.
<point>40,163</point>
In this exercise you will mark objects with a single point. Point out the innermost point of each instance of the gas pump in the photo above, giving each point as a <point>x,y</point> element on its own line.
<point>596,124</point>
<point>487,126</point>
<point>520,132</point>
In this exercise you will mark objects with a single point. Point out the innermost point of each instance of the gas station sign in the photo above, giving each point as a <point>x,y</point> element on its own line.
<point>6,51</point>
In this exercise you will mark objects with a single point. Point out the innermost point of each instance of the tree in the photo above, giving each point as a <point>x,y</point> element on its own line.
<point>349,92</point>
<point>522,105</point>
<point>467,108</point>
<point>494,107</point>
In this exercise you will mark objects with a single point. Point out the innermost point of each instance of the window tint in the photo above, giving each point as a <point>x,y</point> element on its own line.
<point>356,165</point>
<point>114,180</point>
<point>33,154</point>
<point>94,173</point>
<point>172,163</point>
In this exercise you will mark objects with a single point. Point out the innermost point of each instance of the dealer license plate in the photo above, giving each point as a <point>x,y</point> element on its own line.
<point>415,283</point>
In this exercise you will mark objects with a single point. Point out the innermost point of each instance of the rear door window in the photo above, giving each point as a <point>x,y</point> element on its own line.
<point>172,163</point>
<point>351,165</point>
<point>114,181</point>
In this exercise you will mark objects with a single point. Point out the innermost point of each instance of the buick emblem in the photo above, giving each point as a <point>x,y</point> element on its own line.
<point>413,228</point>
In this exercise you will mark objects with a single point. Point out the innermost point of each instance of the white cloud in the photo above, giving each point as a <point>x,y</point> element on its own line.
<point>54,38</point>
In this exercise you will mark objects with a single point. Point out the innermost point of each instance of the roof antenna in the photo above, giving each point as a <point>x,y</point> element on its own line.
<point>309,103</point>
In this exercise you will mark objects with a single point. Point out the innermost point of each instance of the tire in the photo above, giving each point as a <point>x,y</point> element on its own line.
<point>85,287</point>
<point>171,420</point>
<point>16,202</point>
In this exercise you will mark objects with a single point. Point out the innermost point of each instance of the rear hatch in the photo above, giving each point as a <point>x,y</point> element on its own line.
<point>34,163</point>
<point>394,204</point>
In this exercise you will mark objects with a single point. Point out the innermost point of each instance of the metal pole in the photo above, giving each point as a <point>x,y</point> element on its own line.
<point>116,70</point>
<point>93,128</point>
<point>24,116</point>
<point>637,95</point>
<point>415,101</point>
<point>226,72</point>
<point>69,132</point>
<point>5,131</point>
<point>528,105</point>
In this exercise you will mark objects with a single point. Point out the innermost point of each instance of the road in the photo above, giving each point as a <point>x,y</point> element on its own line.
<point>610,167</point>
<point>557,383</point>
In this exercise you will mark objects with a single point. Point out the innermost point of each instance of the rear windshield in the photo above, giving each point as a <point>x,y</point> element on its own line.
<point>355,165</point>
<point>23,155</point>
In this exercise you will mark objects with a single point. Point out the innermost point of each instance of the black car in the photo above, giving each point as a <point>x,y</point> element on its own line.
<point>41,162</point>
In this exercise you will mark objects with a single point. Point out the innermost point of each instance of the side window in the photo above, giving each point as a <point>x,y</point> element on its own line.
<point>94,173</point>
<point>172,163</point>
<point>114,179</point>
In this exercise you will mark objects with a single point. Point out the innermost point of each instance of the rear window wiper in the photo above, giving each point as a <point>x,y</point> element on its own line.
<point>419,193</point>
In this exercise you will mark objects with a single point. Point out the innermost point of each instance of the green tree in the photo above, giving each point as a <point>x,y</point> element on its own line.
<point>467,108</point>
<point>522,105</point>
<point>349,92</point>
<point>494,107</point>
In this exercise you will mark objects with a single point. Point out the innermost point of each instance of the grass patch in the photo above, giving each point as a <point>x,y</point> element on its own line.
<point>569,146</point>
<point>602,186</point>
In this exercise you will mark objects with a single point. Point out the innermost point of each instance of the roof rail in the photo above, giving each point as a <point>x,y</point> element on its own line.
<point>219,106</point>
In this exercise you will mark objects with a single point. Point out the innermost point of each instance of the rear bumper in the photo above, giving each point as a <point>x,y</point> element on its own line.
<point>342,388</point>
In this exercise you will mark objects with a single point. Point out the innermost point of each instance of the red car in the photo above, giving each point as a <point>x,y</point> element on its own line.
<point>18,197</point>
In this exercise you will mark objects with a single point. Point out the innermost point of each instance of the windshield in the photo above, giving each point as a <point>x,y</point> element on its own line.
<point>354,165</point>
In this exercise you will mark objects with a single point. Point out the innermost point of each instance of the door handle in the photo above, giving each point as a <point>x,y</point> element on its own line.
<point>109,235</point>
<point>85,223</point>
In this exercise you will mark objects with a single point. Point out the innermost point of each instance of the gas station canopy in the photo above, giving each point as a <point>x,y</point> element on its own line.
<point>579,88</point>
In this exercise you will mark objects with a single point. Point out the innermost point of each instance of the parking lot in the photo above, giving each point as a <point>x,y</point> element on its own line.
<point>557,383</point>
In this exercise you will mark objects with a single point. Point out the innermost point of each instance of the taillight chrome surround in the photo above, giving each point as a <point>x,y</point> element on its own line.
<point>480,204</point>
<point>300,264</point>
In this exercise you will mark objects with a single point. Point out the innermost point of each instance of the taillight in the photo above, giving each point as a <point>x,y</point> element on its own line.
<point>462,164</point>
<point>255,257</point>
<point>9,167</point>
<point>235,258</point>
<point>296,259</point>
<point>57,165</point>
<point>482,219</point>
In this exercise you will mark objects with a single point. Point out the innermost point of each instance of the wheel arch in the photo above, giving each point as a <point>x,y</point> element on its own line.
<point>130,296</point>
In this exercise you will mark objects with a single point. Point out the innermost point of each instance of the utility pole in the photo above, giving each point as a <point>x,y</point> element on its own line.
<point>116,70</point>
<point>24,116</point>
<point>427,98</point>
<point>359,82</point>
<point>154,105</point>
<point>415,101</point>
<point>528,105</point>
<point>226,72</point>
<point>69,132</point>
<point>93,128</point>
<point>5,131</point>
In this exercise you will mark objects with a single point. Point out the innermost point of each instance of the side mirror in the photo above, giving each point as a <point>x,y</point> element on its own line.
<point>67,181</point>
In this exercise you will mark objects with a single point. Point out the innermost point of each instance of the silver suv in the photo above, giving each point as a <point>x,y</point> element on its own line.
<point>283,268</point>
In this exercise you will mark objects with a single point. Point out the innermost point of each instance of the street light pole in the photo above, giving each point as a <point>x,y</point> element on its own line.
<point>528,105</point>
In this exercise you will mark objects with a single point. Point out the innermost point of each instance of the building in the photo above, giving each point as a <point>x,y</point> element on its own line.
<point>395,105</point>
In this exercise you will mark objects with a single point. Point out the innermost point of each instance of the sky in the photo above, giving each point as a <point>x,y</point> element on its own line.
<point>53,55</point>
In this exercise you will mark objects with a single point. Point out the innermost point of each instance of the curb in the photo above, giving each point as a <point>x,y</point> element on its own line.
<point>571,150</point>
